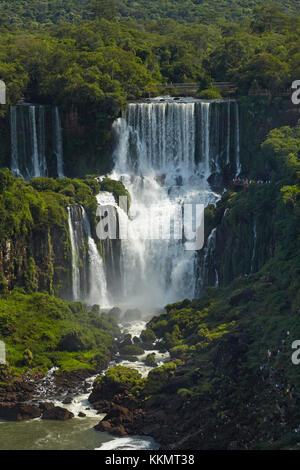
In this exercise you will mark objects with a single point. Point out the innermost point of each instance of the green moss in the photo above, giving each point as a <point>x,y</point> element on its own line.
<point>30,276</point>
<point>117,188</point>
<point>131,350</point>
<point>159,377</point>
<point>121,375</point>
<point>148,336</point>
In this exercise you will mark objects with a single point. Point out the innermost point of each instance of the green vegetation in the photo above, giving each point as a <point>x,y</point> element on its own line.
<point>186,11</point>
<point>34,235</point>
<point>117,188</point>
<point>41,332</point>
<point>219,343</point>
<point>104,61</point>
<point>117,380</point>
<point>120,375</point>
<point>131,350</point>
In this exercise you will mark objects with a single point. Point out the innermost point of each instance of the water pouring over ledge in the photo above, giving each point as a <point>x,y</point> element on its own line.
<point>166,152</point>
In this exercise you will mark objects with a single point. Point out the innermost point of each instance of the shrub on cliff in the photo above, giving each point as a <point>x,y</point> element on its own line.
<point>209,94</point>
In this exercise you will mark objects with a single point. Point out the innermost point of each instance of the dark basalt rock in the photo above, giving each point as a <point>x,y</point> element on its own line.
<point>58,414</point>
<point>45,406</point>
<point>127,341</point>
<point>67,401</point>
<point>19,411</point>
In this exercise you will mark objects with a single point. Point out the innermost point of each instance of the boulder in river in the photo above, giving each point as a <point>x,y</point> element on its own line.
<point>57,414</point>
<point>132,350</point>
<point>106,426</point>
<point>67,401</point>
<point>150,360</point>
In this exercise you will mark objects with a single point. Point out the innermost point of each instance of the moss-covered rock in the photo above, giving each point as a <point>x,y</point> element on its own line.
<point>117,380</point>
<point>150,360</point>
<point>131,350</point>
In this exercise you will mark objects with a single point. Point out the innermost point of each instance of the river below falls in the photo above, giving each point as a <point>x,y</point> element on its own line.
<point>77,433</point>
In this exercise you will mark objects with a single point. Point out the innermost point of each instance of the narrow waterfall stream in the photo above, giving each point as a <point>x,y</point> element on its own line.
<point>28,141</point>
<point>29,128</point>
<point>58,143</point>
<point>88,274</point>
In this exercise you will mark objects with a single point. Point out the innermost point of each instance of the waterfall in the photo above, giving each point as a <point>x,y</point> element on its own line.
<point>166,152</point>
<point>228,134</point>
<point>207,263</point>
<point>97,292</point>
<point>58,142</point>
<point>237,133</point>
<point>88,273</point>
<point>14,141</point>
<point>28,152</point>
<point>75,253</point>
<point>28,140</point>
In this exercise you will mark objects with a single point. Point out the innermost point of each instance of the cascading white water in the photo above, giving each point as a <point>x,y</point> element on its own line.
<point>28,140</point>
<point>237,133</point>
<point>166,151</point>
<point>228,134</point>
<point>75,258</point>
<point>28,153</point>
<point>97,293</point>
<point>34,148</point>
<point>58,143</point>
<point>14,141</point>
<point>207,265</point>
<point>88,272</point>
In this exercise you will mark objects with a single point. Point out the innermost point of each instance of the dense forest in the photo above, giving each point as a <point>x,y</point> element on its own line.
<point>110,58</point>
<point>183,11</point>
<point>218,363</point>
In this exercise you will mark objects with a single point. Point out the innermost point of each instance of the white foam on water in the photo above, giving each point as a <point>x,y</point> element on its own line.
<point>130,443</point>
